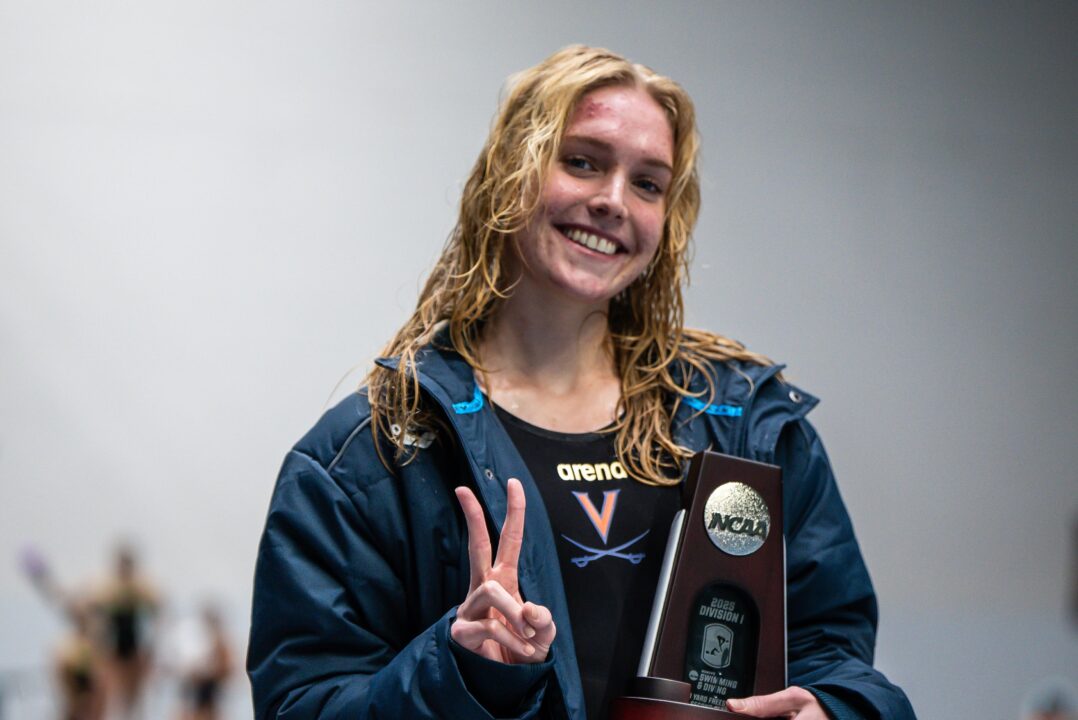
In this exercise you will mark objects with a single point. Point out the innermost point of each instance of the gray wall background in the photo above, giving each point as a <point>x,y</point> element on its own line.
<point>211,211</point>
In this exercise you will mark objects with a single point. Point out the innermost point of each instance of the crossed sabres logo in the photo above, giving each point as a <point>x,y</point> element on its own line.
<point>602,520</point>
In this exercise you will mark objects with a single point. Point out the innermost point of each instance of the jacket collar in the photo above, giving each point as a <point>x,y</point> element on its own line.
<point>741,418</point>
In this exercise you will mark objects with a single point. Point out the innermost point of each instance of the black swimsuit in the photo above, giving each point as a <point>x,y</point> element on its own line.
<point>202,694</point>
<point>124,622</point>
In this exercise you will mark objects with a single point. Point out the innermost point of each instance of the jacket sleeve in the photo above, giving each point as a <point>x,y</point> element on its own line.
<point>330,635</point>
<point>831,605</point>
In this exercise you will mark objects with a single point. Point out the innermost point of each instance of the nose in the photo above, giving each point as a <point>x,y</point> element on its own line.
<point>608,201</point>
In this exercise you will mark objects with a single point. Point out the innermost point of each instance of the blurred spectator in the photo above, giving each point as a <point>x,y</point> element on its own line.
<point>78,669</point>
<point>128,606</point>
<point>207,667</point>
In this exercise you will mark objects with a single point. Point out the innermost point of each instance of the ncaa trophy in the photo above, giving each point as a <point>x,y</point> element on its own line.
<point>718,622</point>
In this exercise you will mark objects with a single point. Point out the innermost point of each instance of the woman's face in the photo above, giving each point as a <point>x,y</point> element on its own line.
<point>600,219</point>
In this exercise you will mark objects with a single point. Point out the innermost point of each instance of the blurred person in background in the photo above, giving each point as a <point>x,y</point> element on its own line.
<point>206,669</point>
<point>128,606</point>
<point>78,668</point>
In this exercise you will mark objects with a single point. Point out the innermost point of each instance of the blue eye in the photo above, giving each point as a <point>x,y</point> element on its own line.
<point>578,162</point>
<point>649,186</point>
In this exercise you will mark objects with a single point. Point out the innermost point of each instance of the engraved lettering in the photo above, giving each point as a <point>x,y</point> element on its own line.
<point>717,613</point>
<point>738,525</point>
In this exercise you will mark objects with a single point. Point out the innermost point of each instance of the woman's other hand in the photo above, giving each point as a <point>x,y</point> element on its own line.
<point>793,702</point>
<point>494,621</point>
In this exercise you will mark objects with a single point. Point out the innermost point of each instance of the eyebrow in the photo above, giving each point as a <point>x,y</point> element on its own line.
<point>608,148</point>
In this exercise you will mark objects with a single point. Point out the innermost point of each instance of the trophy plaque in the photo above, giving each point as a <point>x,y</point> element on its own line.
<point>718,622</point>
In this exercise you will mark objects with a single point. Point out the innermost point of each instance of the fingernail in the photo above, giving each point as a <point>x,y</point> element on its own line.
<point>529,631</point>
<point>529,649</point>
<point>734,704</point>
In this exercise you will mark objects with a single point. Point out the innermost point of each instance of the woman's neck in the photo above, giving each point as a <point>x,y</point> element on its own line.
<point>550,364</point>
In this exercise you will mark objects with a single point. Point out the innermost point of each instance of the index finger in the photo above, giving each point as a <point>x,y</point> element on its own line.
<point>478,540</point>
<point>512,536</point>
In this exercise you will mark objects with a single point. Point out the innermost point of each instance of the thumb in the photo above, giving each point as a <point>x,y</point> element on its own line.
<point>784,703</point>
<point>756,706</point>
<point>740,704</point>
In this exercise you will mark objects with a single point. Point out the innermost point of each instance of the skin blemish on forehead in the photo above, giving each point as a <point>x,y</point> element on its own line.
<point>590,107</point>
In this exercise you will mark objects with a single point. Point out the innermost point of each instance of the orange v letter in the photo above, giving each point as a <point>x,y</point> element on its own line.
<point>601,520</point>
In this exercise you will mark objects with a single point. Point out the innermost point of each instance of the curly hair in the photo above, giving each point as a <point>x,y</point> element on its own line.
<point>654,354</point>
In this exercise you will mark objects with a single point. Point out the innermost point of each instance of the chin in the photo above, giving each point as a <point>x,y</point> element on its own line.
<point>589,293</point>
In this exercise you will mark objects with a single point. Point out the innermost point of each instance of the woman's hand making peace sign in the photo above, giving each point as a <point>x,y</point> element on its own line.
<point>494,621</point>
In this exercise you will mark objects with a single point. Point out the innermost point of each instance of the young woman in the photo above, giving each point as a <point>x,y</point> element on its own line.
<point>128,606</point>
<point>545,385</point>
<point>77,668</point>
<point>202,684</point>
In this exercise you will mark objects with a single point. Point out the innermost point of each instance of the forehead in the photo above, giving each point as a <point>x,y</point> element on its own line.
<point>627,118</point>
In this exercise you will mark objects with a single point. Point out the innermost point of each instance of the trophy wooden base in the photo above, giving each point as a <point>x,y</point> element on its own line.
<point>633,708</point>
<point>664,699</point>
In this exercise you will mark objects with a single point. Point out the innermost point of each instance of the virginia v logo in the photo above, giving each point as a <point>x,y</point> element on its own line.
<point>602,520</point>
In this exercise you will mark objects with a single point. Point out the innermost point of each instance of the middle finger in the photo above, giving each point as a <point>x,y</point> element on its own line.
<point>512,535</point>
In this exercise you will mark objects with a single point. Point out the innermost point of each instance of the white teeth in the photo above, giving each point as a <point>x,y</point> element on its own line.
<point>591,241</point>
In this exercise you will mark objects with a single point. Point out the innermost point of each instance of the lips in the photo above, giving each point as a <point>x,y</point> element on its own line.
<point>590,240</point>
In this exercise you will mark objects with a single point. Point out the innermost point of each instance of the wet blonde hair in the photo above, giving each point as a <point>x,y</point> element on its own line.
<point>653,353</point>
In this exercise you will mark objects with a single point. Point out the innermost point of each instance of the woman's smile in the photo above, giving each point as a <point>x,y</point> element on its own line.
<point>591,239</point>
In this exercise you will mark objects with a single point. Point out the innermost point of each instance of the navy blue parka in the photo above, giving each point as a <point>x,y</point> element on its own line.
<point>360,568</point>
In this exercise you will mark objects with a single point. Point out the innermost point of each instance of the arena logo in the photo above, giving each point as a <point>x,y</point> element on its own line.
<point>590,472</point>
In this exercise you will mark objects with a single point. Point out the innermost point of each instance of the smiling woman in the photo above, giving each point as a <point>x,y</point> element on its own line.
<point>548,336</point>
